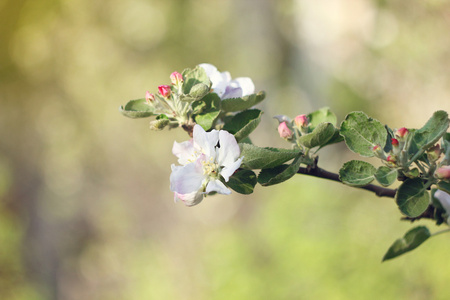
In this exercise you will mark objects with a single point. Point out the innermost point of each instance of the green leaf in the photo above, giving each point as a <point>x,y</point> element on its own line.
<point>243,123</point>
<point>323,115</point>
<point>319,136</point>
<point>410,241</point>
<point>336,138</point>
<point>209,112</point>
<point>193,77</point>
<point>362,133</point>
<point>445,186</point>
<point>432,131</point>
<point>238,104</point>
<point>246,140</point>
<point>357,173</point>
<point>386,176</point>
<point>137,109</point>
<point>280,173</point>
<point>390,136</point>
<point>262,158</point>
<point>243,181</point>
<point>412,197</point>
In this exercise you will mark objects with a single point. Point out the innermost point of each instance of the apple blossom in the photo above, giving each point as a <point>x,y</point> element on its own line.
<point>224,86</point>
<point>205,159</point>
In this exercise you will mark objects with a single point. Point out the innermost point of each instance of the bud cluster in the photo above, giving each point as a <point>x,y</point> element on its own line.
<point>292,130</point>
<point>397,156</point>
<point>168,105</point>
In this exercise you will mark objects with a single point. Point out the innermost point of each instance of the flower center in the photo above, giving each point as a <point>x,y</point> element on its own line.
<point>210,167</point>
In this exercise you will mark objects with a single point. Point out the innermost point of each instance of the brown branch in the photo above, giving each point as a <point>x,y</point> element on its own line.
<point>378,190</point>
<point>321,173</point>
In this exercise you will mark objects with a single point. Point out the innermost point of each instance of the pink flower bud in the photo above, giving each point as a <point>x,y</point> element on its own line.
<point>176,78</point>
<point>284,131</point>
<point>391,159</point>
<point>443,173</point>
<point>164,90</point>
<point>379,152</point>
<point>301,121</point>
<point>149,97</point>
<point>434,152</point>
<point>394,143</point>
<point>401,133</point>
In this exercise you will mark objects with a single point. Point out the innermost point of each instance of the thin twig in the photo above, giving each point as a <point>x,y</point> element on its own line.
<point>321,173</point>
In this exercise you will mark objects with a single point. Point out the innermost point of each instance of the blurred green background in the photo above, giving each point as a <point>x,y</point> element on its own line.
<point>85,206</point>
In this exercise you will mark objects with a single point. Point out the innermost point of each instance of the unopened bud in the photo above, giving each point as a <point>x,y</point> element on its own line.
<point>159,124</point>
<point>199,90</point>
<point>395,146</point>
<point>443,173</point>
<point>284,131</point>
<point>149,97</point>
<point>392,159</point>
<point>301,121</point>
<point>434,152</point>
<point>401,133</point>
<point>394,143</point>
<point>378,152</point>
<point>164,90</point>
<point>176,78</point>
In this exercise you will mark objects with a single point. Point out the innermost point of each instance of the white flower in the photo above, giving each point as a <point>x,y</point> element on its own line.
<point>444,199</point>
<point>204,159</point>
<point>225,87</point>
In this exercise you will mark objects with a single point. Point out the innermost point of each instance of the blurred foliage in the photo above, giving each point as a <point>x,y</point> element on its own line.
<point>85,209</point>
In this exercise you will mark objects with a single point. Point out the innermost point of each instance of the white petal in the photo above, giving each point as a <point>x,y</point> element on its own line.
<point>220,82</point>
<point>190,199</point>
<point>187,179</point>
<point>246,84</point>
<point>205,141</point>
<point>229,149</point>
<point>209,69</point>
<point>444,198</point>
<point>184,151</point>
<point>215,185</point>
<point>232,92</point>
<point>230,169</point>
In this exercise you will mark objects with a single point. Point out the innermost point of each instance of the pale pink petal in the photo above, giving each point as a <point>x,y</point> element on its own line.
<point>184,151</point>
<point>186,179</point>
<point>190,199</point>
<point>215,185</point>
